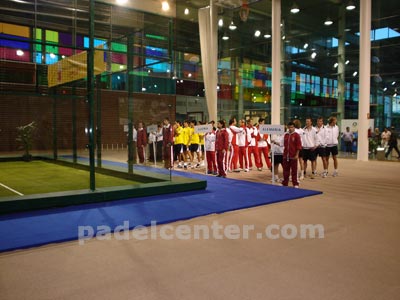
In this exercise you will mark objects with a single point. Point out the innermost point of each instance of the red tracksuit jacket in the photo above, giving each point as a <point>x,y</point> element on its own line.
<point>292,143</point>
<point>222,140</point>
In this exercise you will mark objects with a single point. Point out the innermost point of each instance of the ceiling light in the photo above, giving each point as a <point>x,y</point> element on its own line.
<point>335,65</point>
<point>347,62</point>
<point>20,52</point>
<point>121,2</point>
<point>328,22</point>
<point>225,37</point>
<point>232,26</point>
<point>313,55</point>
<point>257,33</point>
<point>395,95</point>
<point>355,73</point>
<point>186,11</point>
<point>350,5</point>
<point>394,82</point>
<point>165,6</point>
<point>267,36</point>
<point>385,89</point>
<point>295,8</point>
<point>305,46</point>
<point>221,22</point>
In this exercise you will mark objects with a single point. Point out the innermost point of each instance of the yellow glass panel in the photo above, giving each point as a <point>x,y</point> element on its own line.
<point>15,30</point>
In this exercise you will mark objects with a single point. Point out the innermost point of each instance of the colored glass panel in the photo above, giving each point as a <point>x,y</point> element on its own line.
<point>65,51</point>
<point>119,47</point>
<point>11,54</point>
<point>118,58</point>
<point>65,39</point>
<point>16,30</point>
<point>10,41</point>
<point>97,42</point>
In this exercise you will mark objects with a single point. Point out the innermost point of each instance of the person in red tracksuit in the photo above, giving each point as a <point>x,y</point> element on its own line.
<point>253,146</point>
<point>243,140</point>
<point>168,141</point>
<point>233,130</point>
<point>263,146</point>
<point>209,145</point>
<point>292,147</point>
<point>221,147</point>
<point>141,142</point>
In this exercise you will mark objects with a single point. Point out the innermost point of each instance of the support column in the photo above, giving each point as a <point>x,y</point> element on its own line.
<point>240,100</point>
<point>98,121</point>
<point>55,134</point>
<point>341,64</point>
<point>364,79</point>
<point>276,63</point>
<point>130,80</point>
<point>209,56</point>
<point>90,94</point>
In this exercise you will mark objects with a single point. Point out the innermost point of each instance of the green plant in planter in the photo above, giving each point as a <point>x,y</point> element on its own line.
<point>25,137</point>
<point>372,146</point>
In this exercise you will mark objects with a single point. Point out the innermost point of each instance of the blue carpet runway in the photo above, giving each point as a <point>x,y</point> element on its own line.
<point>36,228</point>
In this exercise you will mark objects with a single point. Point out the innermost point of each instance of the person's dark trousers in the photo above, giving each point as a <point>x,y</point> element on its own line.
<point>391,147</point>
<point>159,151</point>
<point>151,152</point>
<point>348,146</point>
<point>289,168</point>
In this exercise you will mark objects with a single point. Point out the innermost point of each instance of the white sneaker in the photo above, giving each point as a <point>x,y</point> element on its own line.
<point>335,173</point>
<point>296,186</point>
<point>324,174</point>
<point>301,177</point>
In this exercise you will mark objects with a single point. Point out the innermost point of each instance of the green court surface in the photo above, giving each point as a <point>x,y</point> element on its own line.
<point>44,183</point>
<point>37,177</point>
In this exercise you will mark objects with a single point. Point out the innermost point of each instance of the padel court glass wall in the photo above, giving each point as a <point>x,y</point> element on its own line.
<point>148,67</point>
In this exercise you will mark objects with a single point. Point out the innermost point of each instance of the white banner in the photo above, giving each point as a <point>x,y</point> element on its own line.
<point>272,129</point>
<point>202,128</point>
<point>152,128</point>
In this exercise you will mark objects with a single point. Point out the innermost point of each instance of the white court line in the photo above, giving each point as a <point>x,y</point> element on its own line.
<point>8,188</point>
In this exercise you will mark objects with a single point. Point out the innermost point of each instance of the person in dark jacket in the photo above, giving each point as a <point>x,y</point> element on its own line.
<point>393,143</point>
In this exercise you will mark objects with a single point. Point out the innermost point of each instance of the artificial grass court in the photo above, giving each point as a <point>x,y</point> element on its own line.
<point>38,177</point>
<point>44,183</point>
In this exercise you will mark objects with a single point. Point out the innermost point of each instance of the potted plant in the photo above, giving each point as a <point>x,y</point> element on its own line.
<point>25,135</point>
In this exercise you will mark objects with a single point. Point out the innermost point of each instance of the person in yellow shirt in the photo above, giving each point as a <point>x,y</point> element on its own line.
<point>186,132</point>
<point>194,145</point>
<point>178,143</point>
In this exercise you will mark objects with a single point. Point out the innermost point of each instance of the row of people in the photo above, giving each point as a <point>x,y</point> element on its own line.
<point>245,145</point>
